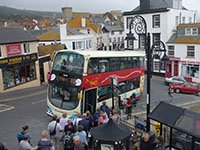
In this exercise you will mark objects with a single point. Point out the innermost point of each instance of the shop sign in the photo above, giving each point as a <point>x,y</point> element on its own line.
<point>14,49</point>
<point>190,62</point>
<point>18,59</point>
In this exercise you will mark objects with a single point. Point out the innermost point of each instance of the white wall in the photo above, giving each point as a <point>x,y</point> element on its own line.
<point>167,23</point>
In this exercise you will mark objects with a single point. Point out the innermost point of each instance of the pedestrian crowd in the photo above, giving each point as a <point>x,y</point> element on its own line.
<point>67,133</point>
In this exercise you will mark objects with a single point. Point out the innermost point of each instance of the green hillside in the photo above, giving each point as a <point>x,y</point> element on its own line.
<point>13,13</point>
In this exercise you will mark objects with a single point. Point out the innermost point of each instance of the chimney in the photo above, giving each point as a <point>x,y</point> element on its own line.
<point>63,31</point>
<point>144,4</point>
<point>83,22</point>
<point>66,14</point>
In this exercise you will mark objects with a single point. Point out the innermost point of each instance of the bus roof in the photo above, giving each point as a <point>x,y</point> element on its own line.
<point>95,53</point>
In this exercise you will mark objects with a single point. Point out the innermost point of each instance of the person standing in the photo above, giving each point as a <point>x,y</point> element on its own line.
<point>82,135</point>
<point>63,121</point>
<point>25,145</point>
<point>54,129</point>
<point>146,142</point>
<point>129,108</point>
<point>45,143</point>
<point>77,143</point>
<point>20,135</point>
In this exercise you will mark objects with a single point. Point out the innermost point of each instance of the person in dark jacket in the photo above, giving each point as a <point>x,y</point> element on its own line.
<point>146,143</point>
<point>45,143</point>
<point>85,123</point>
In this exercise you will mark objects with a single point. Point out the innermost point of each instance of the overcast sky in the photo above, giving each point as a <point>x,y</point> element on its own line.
<point>84,5</point>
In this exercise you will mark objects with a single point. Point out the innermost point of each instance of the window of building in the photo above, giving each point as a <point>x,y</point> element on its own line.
<point>128,20</point>
<point>142,41</point>
<point>190,19</point>
<point>190,51</point>
<point>73,45</point>
<point>112,32</point>
<point>177,20</point>
<point>88,31</point>
<point>194,31</point>
<point>171,50</point>
<point>190,70</point>
<point>156,21</point>
<point>114,39</point>
<point>156,66</point>
<point>118,39</point>
<point>156,37</point>
<point>120,32</point>
<point>187,31</point>
<point>18,74</point>
<point>26,48</point>
<point>110,40</point>
<point>183,19</point>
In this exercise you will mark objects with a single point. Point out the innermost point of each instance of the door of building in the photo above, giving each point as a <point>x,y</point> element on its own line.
<point>90,97</point>
<point>175,68</point>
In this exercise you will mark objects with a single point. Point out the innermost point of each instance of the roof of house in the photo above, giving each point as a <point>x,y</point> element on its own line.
<point>77,23</point>
<point>51,35</point>
<point>15,35</point>
<point>177,38</point>
<point>110,28</point>
<point>155,6</point>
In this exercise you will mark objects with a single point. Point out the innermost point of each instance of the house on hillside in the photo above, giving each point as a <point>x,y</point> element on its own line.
<point>19,64</point>
<point>85,26</point>
<point>161,17</point>
<point>183,50</point>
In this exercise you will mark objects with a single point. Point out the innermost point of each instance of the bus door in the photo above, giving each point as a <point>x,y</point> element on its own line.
<point>90,97</point>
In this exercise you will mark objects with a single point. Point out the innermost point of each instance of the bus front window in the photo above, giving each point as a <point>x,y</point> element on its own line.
<point>64,98</point>
<point>69,62</point>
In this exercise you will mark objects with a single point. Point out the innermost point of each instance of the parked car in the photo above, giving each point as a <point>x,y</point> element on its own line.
<point>175,79</point>
<point>183,141</point>
<point>186,87</point>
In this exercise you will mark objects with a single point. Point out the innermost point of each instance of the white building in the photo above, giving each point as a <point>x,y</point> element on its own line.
<point>183,49</point>
<point>75,40</point>
<point>113,37</point>
<point>162,17</point>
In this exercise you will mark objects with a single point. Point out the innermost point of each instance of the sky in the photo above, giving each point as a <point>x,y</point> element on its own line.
<point>94,6</point>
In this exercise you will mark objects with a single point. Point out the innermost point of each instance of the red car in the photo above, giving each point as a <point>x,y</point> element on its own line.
<point>186,87</point>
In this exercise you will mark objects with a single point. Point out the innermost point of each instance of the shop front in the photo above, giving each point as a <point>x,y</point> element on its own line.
<point>19,72</point>
<point>190,69</point>
<point>172,67</point>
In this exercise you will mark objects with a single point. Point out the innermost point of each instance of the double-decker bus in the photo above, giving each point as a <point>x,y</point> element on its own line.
<point>81,80</point>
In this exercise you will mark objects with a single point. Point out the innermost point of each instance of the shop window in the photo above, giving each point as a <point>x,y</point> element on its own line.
<point>190,51</point>
<point>18,74</point>
<point>190,70</point>
<point>26,48</point>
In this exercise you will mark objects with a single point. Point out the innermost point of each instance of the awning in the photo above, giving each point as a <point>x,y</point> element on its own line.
<point>177,118</point>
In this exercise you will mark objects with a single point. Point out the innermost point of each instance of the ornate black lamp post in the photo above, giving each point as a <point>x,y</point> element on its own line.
<point>139,25</point>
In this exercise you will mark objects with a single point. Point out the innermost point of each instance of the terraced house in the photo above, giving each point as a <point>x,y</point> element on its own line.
<point>19,65</point>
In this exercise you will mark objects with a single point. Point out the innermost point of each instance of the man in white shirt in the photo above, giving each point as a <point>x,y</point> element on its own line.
<point>55,125</point>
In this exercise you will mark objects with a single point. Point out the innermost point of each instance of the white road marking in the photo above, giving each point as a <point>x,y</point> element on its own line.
<point>4,107</point>
<point>40,101</point>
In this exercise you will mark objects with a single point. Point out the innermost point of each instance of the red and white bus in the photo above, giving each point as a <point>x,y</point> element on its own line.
<point>81,80</point>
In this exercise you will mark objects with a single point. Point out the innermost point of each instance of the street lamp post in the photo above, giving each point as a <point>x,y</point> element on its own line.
<point>139,25</point>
